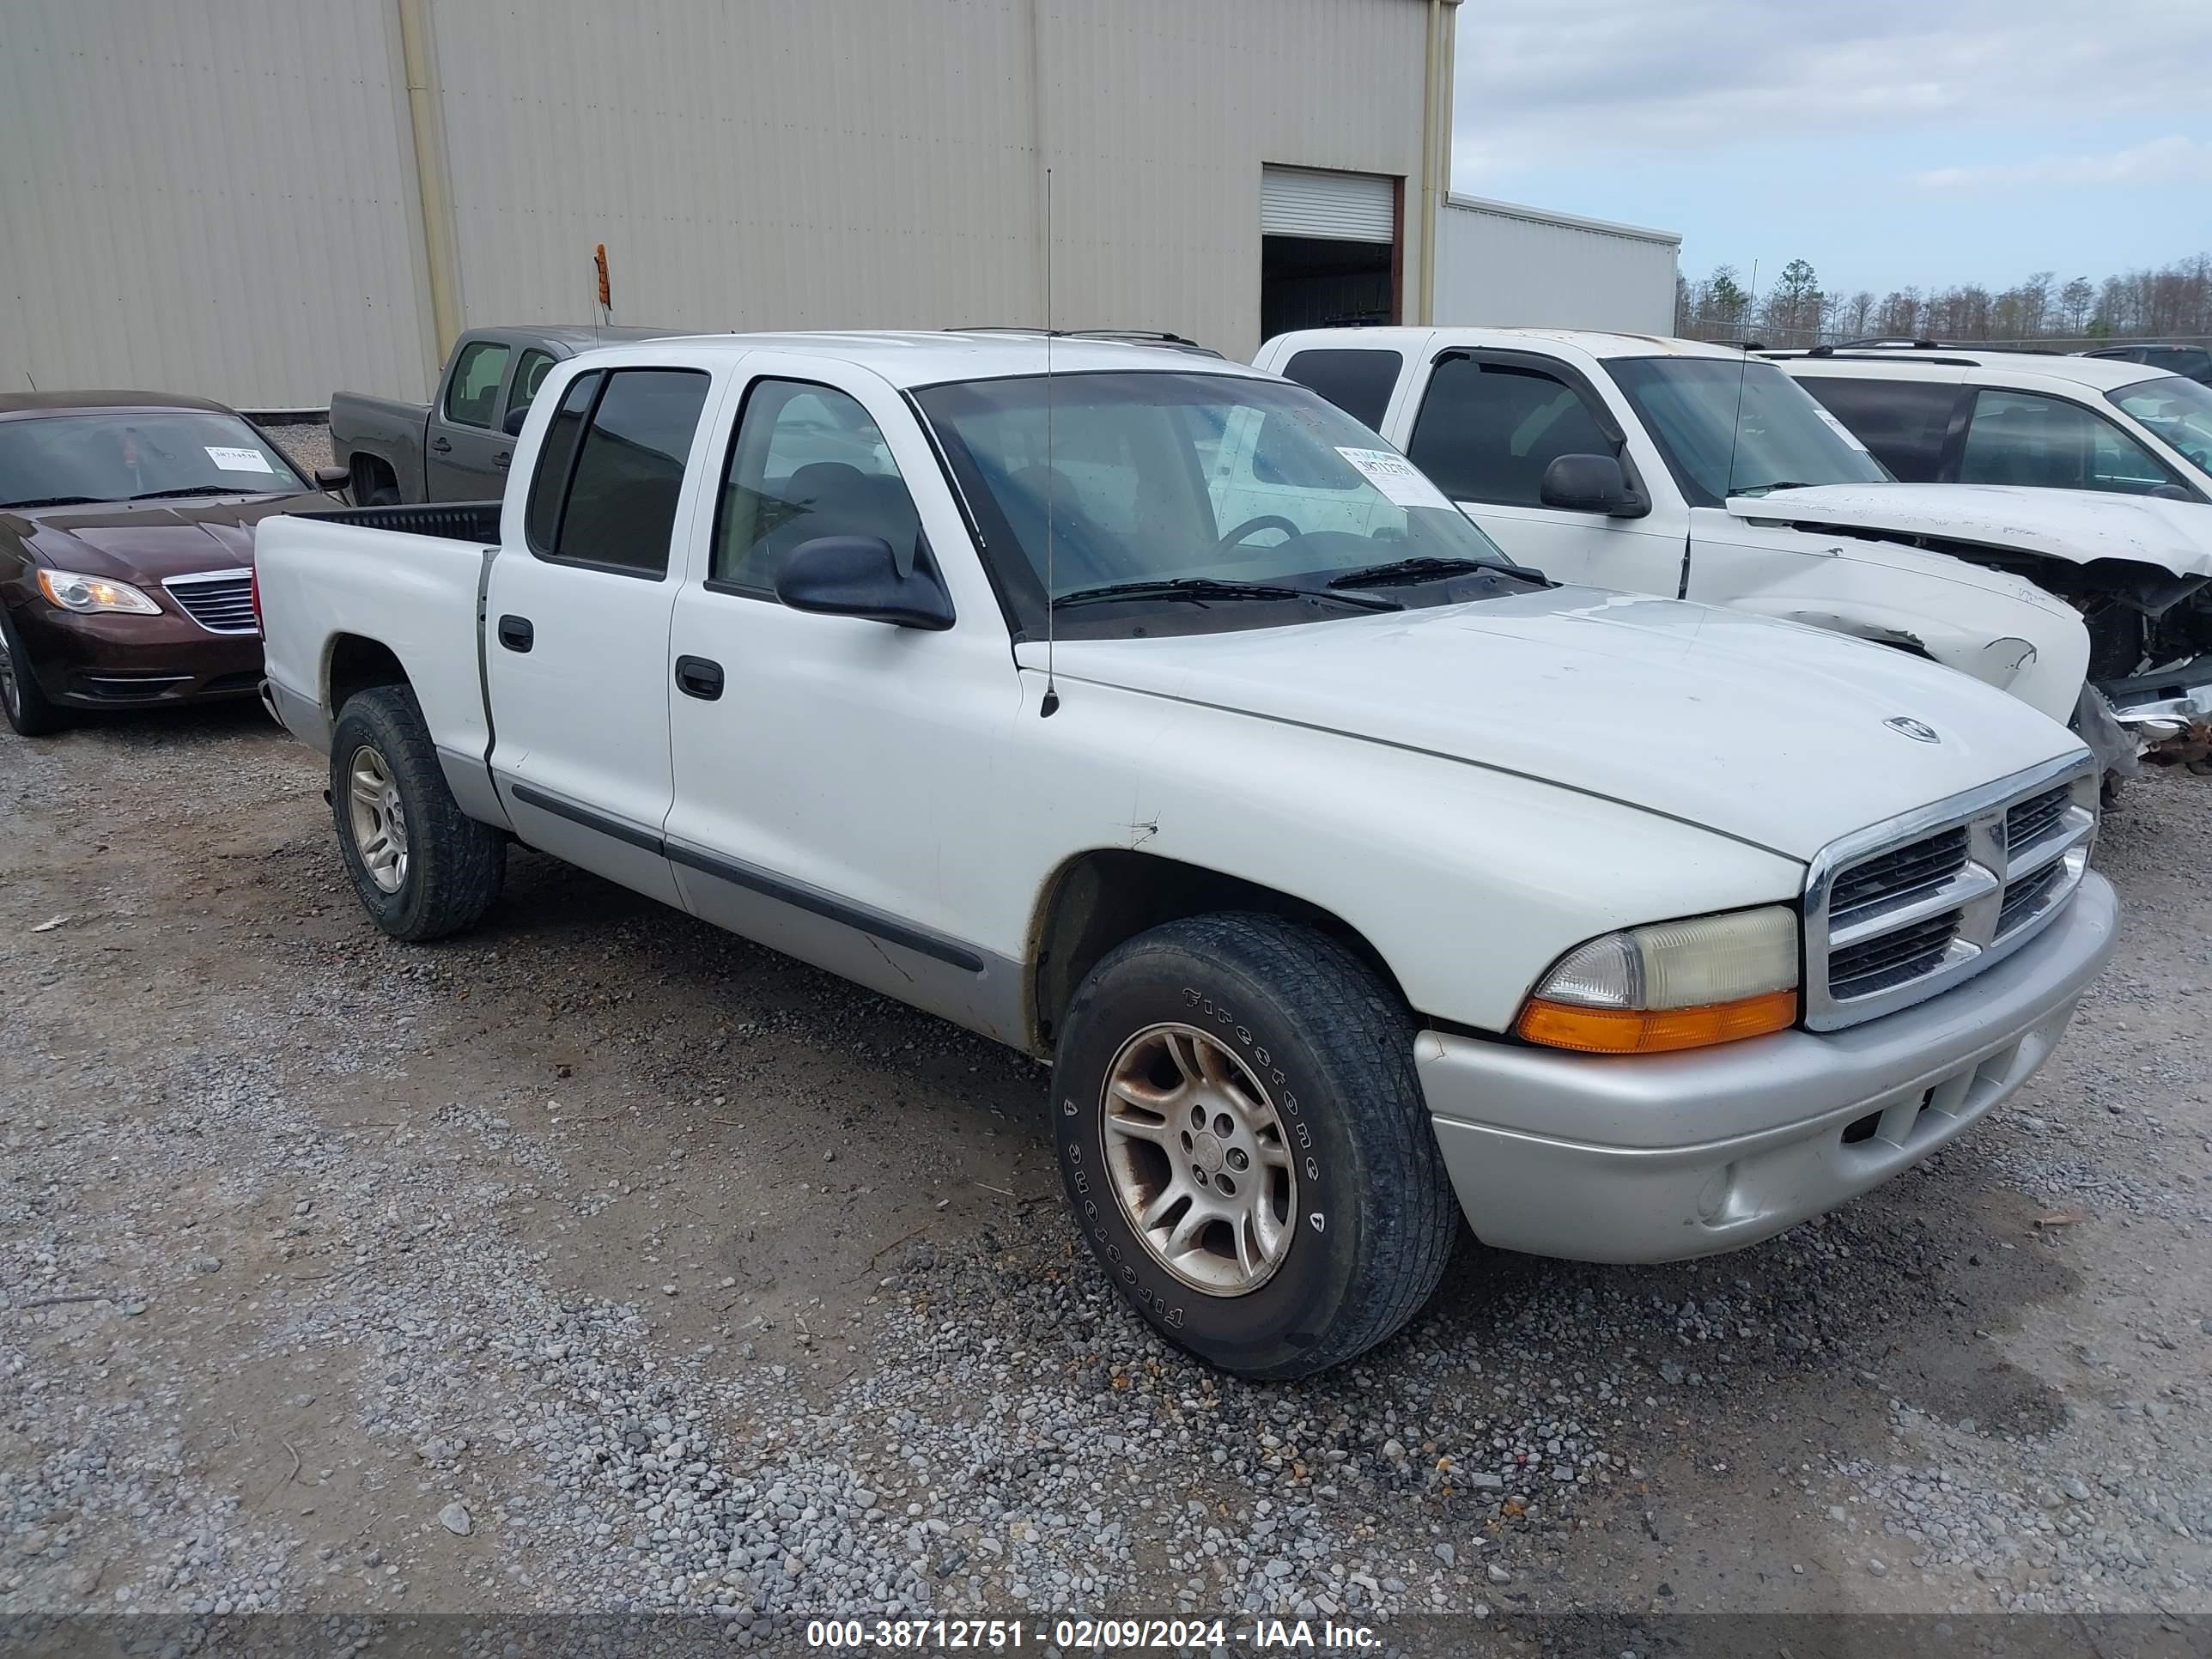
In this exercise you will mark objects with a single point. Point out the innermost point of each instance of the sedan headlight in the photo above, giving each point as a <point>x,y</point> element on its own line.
<point>1674,985</point>
<point>87,594</point>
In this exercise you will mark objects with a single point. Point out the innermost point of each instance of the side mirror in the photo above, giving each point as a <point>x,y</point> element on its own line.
<point>513,424</point>
<point>2173,492</point>
<point>858,576</point>
<point>333,478</point>
<point>1588,483</point>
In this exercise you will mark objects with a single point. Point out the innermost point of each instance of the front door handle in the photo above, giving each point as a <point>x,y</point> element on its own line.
<point>441,444</point>
<point>499,461</point>
<point>516,634</point>
<point>696,677</point>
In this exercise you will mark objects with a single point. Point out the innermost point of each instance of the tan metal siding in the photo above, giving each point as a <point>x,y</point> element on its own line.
<point>874,164</point>
<point>206,196</point>
<point>1526,269</point>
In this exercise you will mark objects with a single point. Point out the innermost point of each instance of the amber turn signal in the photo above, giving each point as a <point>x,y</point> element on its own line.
<point>1656,1031</point>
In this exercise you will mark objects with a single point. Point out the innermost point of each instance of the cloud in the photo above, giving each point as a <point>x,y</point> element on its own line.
<point>2163,160</point>
<point>1544,83</point>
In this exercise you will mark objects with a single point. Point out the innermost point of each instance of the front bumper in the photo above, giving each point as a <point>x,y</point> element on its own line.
<point>2170,715</point>
<point>1663,1156</point>
<point>113,660</point>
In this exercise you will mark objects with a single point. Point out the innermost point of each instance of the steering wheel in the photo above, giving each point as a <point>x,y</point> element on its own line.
<point>1265,521</point>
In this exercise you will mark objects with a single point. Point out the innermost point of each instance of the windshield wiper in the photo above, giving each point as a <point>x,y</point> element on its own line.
<point>1201,589</point>
<point>1428,569</point>
<point>1768,489</point>
<point>190,490</point>
<point>53,501</point>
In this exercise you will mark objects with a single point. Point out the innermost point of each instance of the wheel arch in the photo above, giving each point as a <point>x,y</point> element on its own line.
<point>353,663</point>
<point>1099,898</point>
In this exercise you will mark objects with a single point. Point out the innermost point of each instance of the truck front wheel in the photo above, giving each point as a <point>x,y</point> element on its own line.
<point>1243,1135</point>
<point>423,867</point>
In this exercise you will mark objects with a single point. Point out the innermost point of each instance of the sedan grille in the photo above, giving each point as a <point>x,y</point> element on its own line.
<point>1898,913</point>
<point>221,601</point>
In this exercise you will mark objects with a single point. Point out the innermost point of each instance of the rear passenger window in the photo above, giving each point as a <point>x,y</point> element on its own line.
<point>613,505</point>
<point>2021,438</point>
<point>1903,423</point>
<point>1487,431</point>
<point>472,395</point>
<point>1357,381</point>
<point>807,461</point>
<point>529,374</point>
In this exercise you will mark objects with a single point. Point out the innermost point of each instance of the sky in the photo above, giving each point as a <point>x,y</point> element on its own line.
<point>1887,142</point>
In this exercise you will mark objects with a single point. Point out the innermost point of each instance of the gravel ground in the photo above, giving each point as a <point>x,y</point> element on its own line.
<point>598,1261</point>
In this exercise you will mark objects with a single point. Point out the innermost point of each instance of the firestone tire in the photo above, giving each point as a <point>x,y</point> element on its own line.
<point>451,866</point>
<point>1293,1017</point>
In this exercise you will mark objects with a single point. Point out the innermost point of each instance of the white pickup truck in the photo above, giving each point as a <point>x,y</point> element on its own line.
<point>1145,715</point>
<point>1677,468</point>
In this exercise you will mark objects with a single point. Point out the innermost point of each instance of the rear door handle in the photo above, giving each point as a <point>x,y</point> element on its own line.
<point>499,461</point>
<point>516,634</point>
<point>441,444</point>
<point>696,677</point>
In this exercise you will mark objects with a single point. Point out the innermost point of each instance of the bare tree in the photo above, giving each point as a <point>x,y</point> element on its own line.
<point>2174,300</point>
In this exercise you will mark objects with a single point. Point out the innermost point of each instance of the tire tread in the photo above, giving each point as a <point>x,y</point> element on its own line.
<point>462,862</point>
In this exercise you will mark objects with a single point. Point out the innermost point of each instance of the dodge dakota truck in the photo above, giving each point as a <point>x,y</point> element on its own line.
<point>1677,468</point>
<point>457,447</point>
<point>1147,714</point>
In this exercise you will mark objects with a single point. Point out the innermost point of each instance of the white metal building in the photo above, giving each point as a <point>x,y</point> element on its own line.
<point>265,201</point>
<point>1506,266</point>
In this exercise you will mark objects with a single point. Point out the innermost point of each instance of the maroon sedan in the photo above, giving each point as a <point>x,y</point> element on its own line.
<point>126,550</point>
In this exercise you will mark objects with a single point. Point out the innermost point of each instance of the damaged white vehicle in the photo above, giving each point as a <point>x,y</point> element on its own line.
<point>1687,470</point>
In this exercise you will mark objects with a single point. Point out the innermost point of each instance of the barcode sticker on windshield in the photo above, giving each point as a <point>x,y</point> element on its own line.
<point>1401,483</point>
<point>238,460</point>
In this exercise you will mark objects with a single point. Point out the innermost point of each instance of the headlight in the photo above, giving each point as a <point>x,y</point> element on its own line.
<point>86,594</point>
<point>1674,985</point>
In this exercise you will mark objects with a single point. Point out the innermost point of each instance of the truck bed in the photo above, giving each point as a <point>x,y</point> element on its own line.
<point>457,521</point>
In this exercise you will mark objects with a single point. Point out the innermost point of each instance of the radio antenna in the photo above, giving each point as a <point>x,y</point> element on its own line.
<point>1742,372</point>
<point>1051,703</point>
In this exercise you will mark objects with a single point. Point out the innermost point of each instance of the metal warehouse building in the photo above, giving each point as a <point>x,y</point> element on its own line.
<point>266,200</point>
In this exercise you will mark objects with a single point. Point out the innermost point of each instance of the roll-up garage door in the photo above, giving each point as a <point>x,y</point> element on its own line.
<point>1341,207</point>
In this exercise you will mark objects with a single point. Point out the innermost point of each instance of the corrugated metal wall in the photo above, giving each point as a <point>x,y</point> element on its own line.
<point>219,196</point>
<point>206,196</point>
<point>773,166</point>
<point>1509,267</point>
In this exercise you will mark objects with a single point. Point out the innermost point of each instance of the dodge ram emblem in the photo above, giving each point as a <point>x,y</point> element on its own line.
<point>1918,730</point>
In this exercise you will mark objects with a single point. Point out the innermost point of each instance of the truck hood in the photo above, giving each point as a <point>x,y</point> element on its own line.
<point>1768,731</point>
<point>156,540</point>
<point>2078,525</point>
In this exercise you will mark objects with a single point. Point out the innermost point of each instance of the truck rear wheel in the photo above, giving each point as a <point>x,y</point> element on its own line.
<point>1243,1137</point>
<point>424,868</point>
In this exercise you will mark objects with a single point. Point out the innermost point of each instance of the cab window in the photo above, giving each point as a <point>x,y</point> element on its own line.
<point>472,393</point>
<point>615,509</point>
<point>2023,438</point>
<point>807,460</point>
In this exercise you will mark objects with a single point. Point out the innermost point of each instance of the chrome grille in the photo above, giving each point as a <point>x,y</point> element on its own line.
<point>221,601</point>
<point>1905,909</point>
<point>1888,959</point>
<point>1890,877</point>
<point>2035,818</point>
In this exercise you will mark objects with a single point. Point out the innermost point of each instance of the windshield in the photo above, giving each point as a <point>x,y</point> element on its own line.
<point>127,455</point>
<point>1784,438</point>
<point>2177,410</point>
<point>1208,479</point>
